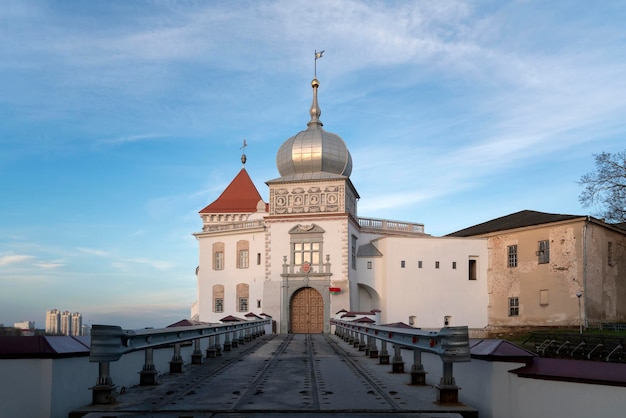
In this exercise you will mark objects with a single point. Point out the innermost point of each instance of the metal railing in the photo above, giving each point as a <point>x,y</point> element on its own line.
<point>451,344</point>
<point>109,343</point>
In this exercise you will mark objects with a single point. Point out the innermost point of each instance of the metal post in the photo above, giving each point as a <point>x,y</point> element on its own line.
<point>362,344</point>
<point>448,391</point>
<point>383,357</point>
<point>373,348</point>
<point>397,364</point>
<point>227,344</point>
<point>196,356</point>
<point>103,393</point>
<point>176,364</point>
<point>418,375</point>
<point>210,350</point>
<point>218,346</point>
<point>147,376</point>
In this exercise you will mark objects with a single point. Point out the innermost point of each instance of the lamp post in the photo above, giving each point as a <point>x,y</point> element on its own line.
<point>580,313</point>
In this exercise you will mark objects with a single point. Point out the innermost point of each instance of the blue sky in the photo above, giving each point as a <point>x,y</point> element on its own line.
<point>120,120</point>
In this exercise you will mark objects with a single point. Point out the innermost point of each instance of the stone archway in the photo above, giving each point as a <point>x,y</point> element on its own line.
<point>307,312</point>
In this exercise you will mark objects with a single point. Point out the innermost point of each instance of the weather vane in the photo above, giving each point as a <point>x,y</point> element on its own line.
<point>243,153</point>
<point>318,55</point>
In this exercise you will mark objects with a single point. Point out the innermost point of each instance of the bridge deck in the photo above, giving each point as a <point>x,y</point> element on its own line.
<point>282,375</point>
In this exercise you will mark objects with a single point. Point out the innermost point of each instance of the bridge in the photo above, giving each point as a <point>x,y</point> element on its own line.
<point>242,370</point>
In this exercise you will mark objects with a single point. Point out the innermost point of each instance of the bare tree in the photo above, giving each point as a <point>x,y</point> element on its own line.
<point>606,186</point>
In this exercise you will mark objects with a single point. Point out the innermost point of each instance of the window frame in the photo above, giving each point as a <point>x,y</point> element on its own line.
<point>243,259</point>
<point>472,265</point>
<point>512,256</point>
<point>543,253</point>
<point>218,305</point>
<point>218,260</point>
<point>513,306</point>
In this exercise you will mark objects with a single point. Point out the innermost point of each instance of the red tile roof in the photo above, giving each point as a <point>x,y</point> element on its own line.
<point>241,195</point>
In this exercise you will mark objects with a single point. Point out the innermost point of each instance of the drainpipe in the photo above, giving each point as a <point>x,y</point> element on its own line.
<point>585,269</point>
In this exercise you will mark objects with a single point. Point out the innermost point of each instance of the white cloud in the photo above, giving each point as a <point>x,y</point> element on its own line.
<point>6,260</point>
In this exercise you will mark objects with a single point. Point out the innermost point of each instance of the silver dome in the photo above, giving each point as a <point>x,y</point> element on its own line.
<point>314,153</point>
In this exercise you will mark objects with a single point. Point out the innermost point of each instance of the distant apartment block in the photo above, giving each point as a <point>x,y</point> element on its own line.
<point>64,323</point>
<point>53,322</point>
<point>76,324</point>
<point>24,325</point>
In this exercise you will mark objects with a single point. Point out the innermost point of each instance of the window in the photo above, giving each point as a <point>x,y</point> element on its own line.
<point>544,252</point>
<point>472,269</point>
<point>243,249</point>
<point>218,298</point>
<point>512,251</point>
<point>369,265</point>
<point>610,254</point>
<point>242,261</point>
<point>307,247</point>
<point>258,259</point>
<point>243,293</point>
<point>306,251</point>
<point>219,260</point>
<point>543,297</point>
<point>353,252</point>
<point>436,264</point>
<point>218,256</point>
<point>419,264</point>
<point>513,306</point>
<point>258,303</point>
<point>402,264</point>
<point>454,265</point>
<point>219,305</point>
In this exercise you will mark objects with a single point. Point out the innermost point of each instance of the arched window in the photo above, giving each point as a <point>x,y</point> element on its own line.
<point>243,254</point>
<point>218,256</point>
<point>243,296</point>
<point>218,298</point>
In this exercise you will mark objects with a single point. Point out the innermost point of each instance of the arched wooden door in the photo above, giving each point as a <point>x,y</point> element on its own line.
<point>307,312</point>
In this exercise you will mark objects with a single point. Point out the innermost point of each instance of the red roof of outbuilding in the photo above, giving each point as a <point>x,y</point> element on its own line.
<point>241,195</point>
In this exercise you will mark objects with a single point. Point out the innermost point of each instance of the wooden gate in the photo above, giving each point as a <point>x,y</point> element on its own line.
<point>307,312</point>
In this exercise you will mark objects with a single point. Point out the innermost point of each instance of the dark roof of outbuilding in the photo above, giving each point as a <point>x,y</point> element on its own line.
<point>520,219</point>
<point>581,371</point>
<point>187,323</point>
<point>40,346</point>
<point>368,250</point>
<point>498,350</point>
<point>231,318</point>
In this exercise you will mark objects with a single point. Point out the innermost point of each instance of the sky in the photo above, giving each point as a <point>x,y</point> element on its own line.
<point>120,120</point>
